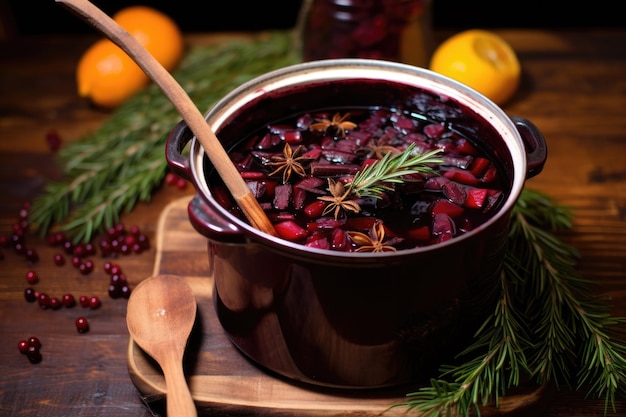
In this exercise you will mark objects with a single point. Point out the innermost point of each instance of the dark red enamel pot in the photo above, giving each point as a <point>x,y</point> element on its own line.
<point>351,320</point>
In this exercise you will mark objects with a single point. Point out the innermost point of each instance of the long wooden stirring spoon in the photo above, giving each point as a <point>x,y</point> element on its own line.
<point>187,109</point>
<point>160,315</point>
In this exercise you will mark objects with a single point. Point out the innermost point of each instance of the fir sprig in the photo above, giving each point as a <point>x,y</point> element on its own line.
<point>375,179</point>
<point>545,310</point>
<point>108,171</point>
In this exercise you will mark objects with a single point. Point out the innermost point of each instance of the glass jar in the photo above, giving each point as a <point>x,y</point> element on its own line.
<point>393,30</point>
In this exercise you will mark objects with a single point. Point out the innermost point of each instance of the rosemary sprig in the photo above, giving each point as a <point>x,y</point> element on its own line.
<point>545,310</point>
<point>378,178</point>
<point>108,171</point>
<point>375,179</point>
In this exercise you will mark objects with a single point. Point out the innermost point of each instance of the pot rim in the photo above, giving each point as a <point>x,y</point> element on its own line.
<point>358,68</point>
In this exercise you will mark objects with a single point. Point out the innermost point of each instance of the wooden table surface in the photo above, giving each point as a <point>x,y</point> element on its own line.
<point>573,89</point>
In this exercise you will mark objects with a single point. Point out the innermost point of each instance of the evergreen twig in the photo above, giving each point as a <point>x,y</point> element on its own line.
<point>545,310</point>
<point>108,171</point>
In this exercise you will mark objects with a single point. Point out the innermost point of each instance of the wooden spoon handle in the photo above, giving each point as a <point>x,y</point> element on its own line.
<point>179,401</point>
<point>187,109</point>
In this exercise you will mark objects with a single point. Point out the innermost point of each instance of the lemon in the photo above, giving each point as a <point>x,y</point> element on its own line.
<point>481,60</point>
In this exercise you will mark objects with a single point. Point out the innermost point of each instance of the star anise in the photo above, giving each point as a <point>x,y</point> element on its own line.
<point>378,149</point>
<point>373,241</point>
<point>337,126</point>
<point>288,163</point>
<point>339,199</point>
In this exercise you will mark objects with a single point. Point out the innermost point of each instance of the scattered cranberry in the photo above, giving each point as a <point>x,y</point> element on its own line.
<point>86,267</point>
<point>31,255</point>
<point>55,303</point>
<point>19,247</point>
<point>76,261</point>
<point>29,295</point>
<point>171,179</point>
<point>115,291</point>
<point>94,302</point>
<point>31,348</point>
<point>83,300</point>
<point>68,300</point>
<point>58,259</point>
<point>22,345</point>
<point>32,277</point>
<point>44,300</point>
<point>126,291</point>
<point>34,341</point>
<point>33,354</point>
<point>82,325</point>
<point>54,140</point>
<point>68,246</point>
<point>115,269</point>
<point>122,241</point>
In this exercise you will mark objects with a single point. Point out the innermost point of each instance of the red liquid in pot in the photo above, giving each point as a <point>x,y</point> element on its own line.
<point>465,191</point>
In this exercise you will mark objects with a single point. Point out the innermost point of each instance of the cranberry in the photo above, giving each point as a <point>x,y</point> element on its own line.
<point>115,291</point>
<point>19,247</point>
<point>69,247</point>
<point>59,239</point>
<point>55,303</point>
<point>33,354</point>
<point>68,300</point>
<point>32,277</point>
<point>86,267</point>
<point>22,345</point>
<point>29,295</point>
<point>58,259</point>
<point>34,341</point>
<point>83,300</point>
<point>126,291</point>
<point>54,140</point>
<point>79,251</point>
<point>171,179</point>
<point>31,255</point>
<point>90,249</point>
<point>115,269</point>
<point>44,300</point>
<point>94,302</point>
<point>82,325</point>
<point>181,183</point>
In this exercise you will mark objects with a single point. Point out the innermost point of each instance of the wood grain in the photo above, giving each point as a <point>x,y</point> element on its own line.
<point>573,88</point>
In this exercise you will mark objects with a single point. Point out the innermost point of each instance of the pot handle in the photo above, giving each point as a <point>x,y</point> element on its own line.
<point>177,139</point>
<point>535,144</point>
<point>212,224</point>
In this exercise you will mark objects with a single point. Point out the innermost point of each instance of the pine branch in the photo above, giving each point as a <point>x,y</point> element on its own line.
<point>499,347</point>
<point>561,312</point>
<point>105,166</point>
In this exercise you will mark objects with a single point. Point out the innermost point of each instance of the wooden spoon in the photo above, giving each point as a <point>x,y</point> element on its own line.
<point>187,109</point>
<point>160,315</point>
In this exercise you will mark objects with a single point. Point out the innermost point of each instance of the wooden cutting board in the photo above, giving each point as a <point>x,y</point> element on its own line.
<point>222,380</point>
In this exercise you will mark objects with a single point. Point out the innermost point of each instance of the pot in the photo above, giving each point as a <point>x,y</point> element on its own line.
<point>351,320</point>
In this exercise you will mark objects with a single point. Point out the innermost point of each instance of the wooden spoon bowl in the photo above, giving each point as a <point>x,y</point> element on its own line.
<point>160,315</point>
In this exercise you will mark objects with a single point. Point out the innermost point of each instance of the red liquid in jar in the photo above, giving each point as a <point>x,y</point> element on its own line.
<point>394,30</point>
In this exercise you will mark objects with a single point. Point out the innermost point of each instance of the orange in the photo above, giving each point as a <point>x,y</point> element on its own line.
<point>108,77</point>
<point>156,31</point>
<point>481,60</point>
